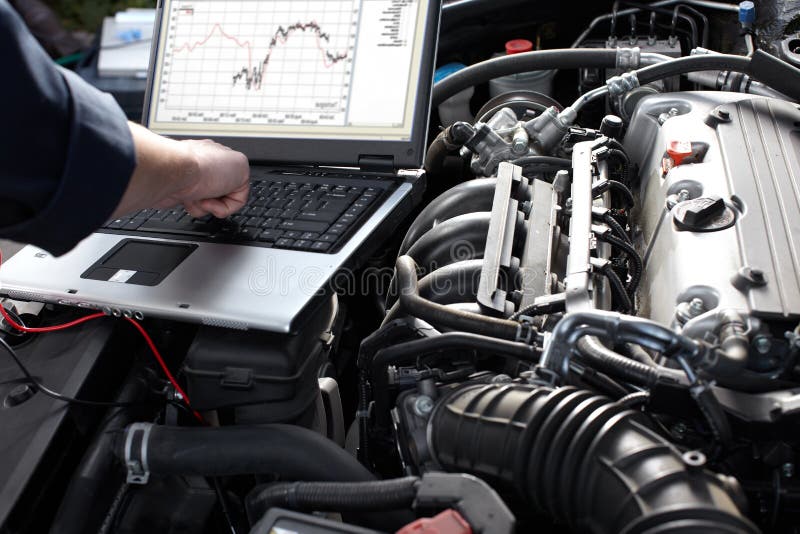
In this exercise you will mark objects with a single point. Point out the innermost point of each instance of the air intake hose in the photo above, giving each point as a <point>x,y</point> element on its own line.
<point>589,462</point>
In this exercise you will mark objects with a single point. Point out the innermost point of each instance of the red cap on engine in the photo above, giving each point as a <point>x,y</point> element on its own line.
<point>679,150</point>
<point>518,46</point>
<point>447,522</point>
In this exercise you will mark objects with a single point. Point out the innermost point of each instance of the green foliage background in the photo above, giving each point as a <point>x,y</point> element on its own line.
<point>88,15</point>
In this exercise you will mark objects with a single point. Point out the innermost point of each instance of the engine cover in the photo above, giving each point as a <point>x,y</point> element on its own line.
<point>746,254</point>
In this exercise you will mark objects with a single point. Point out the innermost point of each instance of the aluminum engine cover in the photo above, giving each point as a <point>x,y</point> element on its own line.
<point>753,163</point>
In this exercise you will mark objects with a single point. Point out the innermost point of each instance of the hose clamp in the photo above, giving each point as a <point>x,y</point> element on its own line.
<point>624,83</point>
<point>629,58</point>
<point>136,440</point>
<point>525,331</point>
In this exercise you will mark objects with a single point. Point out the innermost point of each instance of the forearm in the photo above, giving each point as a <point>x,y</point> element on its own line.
<point>163,167</point>
<point>203,176</point>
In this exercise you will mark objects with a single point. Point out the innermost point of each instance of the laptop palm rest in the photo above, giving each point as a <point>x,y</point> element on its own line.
<point>139,262</point>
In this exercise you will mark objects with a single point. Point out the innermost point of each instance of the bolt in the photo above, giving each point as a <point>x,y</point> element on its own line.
<point>763,344</point>
<point>757,275</point>
<point>724,114</point>
<point>787,470</point>
<point>683,195</point>
<point>423,405</point>
<point>18,395</point>
<point>679,429</point>
<point>696,307</point>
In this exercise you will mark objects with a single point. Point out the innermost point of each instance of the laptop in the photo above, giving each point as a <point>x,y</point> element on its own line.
<point>329,99</point>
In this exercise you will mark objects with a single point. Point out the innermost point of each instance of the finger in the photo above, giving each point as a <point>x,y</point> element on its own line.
<point>195,209</point>
<point>221,207</point>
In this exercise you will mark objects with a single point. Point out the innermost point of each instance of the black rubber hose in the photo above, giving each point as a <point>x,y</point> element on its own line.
<point>439,315</point>
<point>687,64</point>
<point>461,238</point>
<point>589,462</point>
<point>292,452</point>
<point>606,360</point>
<point>89,494</point>
<point>392,494</point>
<point>570,58</point>
<point>639,354</point>
<point>451,284</point>
<point>635,399</point>
<point>622,328</point>
<point>467,197</point>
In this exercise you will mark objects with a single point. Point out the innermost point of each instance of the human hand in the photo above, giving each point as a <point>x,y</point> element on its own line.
<point>204,176</point>
<point>217,180</point>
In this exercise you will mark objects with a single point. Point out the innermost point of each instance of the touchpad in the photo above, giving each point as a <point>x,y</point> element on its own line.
<point>144,263</point>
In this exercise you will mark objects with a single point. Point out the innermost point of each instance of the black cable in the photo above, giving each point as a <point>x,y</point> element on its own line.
<point>616,227</point>
<point>223,503</point>
<point>635,261</point>
<point>618,289</point>
<point>38,386</point>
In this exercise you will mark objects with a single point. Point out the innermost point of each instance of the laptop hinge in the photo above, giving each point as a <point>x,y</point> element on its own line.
<point>376,163</point>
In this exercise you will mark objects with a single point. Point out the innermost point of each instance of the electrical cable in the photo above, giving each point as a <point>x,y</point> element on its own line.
<point>29,378</point>
<point>55,328</point>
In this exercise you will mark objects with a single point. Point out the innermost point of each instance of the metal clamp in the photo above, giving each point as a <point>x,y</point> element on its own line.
<point>136,440</point>
<point>525,330</point>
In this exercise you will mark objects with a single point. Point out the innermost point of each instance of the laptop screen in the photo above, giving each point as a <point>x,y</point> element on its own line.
<point>322,69</point>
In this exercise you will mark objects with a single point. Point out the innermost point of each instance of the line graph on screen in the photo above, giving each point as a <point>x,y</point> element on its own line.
<point>246,60</point>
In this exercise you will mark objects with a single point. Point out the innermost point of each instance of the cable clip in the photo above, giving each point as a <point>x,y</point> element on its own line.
<point>136,439</point>
<point>525,330</point>
<point>624,83</point>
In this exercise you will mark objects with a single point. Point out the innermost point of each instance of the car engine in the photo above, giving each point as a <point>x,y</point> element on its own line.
<point>591,323</point>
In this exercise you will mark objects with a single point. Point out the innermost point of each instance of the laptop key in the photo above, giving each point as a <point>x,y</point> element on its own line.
<point>187,227</point>
<point>328,238</point>
<point>302,244</point>
<point>305,226</point>
<point>313,236</point>
<point>320,246</point>
<point>284,242</point>
<point>270,235</point>
<point>324,216</point>
<point>292,234</point>
<point>116,224</point>
<point>248,234</point>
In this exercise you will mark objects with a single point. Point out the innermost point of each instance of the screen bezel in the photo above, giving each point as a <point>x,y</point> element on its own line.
<point>407,154</point>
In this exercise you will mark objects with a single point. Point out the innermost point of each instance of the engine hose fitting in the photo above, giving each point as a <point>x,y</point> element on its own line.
<point>589,462</point>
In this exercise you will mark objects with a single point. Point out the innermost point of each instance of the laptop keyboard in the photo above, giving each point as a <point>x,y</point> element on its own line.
<point>312,211</point>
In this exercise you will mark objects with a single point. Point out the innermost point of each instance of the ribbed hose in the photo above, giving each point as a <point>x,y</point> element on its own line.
<point>604,359</point>
<point>392,494</point>
<point>587,461</point>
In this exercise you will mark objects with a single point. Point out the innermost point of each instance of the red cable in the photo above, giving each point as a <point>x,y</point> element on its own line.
<point>138,327</point>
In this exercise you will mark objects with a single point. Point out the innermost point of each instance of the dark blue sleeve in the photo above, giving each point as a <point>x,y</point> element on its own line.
<point>66,153</point>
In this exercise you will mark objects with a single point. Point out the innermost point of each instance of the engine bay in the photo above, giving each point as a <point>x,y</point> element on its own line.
<point>591,323</point>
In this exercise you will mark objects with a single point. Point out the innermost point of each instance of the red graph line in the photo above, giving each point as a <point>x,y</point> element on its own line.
<point>253,76</point>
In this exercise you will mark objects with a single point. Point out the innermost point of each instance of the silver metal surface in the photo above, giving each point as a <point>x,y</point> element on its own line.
<point>753,162</point>
<point>232,286</point>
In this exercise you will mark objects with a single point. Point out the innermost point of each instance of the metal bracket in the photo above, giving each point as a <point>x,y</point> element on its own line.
<point>137,437</point>
<point>500,237</point>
